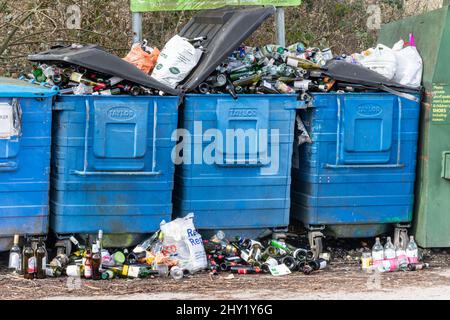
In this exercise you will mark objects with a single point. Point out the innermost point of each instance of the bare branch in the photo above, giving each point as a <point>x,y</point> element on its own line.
<point>11,34</point>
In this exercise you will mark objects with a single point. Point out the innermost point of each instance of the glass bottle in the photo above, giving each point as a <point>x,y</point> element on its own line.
<point>15,256</point>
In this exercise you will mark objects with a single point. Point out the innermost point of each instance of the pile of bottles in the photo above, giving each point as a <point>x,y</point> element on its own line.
<point>81,81</point>
<point>92,261</point>
<point>272,69</point>
<point>247,256</point>
<point>389,258</point>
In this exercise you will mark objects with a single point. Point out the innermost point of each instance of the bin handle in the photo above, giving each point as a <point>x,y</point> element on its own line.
<point>85,171</point>
<point>237,163</point>
<point>368,166</point>
<point>8,166</point>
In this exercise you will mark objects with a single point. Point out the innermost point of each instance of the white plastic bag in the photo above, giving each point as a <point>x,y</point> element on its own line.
<point>176,61</point>
<point>382,60</point>
<point>409,65</point>
<point>185,242</point>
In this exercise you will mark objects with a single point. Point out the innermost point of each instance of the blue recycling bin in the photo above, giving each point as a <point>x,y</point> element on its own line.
<point>357,177</point>
<point>25,140</point>
<point>111,164</point>
<point>234,174</point>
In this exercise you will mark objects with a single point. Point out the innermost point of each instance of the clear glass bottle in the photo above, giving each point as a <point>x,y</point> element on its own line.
<point>15,256</point>
<point>377,252</point>
<point>412,251</point>
<point>389,249</point>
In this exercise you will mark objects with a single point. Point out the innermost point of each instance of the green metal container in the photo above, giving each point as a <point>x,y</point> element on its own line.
<point>432,209</point>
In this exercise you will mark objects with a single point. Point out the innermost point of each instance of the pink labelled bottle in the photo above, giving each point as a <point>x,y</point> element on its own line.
<point>377,253</point>
<point>412,251</point>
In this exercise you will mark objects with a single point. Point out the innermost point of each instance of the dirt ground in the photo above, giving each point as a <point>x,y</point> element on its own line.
<point>342,280</point>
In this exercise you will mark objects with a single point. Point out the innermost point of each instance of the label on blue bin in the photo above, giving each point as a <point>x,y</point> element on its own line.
<point>6,121</point>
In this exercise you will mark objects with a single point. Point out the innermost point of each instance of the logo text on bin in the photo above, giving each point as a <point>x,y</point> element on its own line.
<point>243,113</point>
<point>121,113</point>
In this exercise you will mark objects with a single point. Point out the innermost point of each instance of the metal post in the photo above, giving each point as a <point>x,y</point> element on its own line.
<point>281,29</point>
<point>137,26</point>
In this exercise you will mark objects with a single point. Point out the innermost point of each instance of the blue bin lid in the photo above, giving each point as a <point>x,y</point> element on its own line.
<point>14,88</point>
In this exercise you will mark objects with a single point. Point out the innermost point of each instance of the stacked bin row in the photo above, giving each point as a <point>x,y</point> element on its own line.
<point>112,166</point>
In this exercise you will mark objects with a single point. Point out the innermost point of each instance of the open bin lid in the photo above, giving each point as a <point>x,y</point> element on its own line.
<point>96,58</point>
<point>226,29</point>
<point>356,74</point>
<point>13,88</point>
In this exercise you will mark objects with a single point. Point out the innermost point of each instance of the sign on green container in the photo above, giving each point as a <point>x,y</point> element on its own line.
<point>180,5</point>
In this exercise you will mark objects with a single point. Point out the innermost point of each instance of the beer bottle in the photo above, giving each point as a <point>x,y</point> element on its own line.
<point>301,63</point>
<point>61,261</point>
<point>217,81</point>
<point>135,258</point>
<point>212,247</point>
<point>204,88</point>
<point>53,272</point>
<point>282,246</point>
<point>314,265</point>
<point>245,269</point>
<point>78,78</point>
<point>88,264</point>
<point>15,256</point>
<point>96,262</point>
<point>418,266</point>
<point>41,260</point>
<point>117,271</point>
<point>289,262</point>
<point>226,266</point>
<point>247,80</point>
<point>108,275</point>
<point>29,262</point>
<point>38,74</point>
<point>147,244</point>
<point>129,89</point>
<point>138,271</point>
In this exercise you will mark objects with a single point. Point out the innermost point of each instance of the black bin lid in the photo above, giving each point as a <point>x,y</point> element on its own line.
<point>226,29</point>
<point>357,74</point>
<point>96,58</point>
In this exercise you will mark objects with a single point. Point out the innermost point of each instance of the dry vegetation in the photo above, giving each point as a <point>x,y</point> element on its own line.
<point>28,26</point>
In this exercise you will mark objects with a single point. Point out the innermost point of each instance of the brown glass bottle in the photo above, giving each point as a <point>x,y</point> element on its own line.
<point>96,262</point>
<point>29,262</point>
<point>41,260</point>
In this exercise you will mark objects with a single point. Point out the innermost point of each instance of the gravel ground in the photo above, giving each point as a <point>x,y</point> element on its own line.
<point>342,280</point>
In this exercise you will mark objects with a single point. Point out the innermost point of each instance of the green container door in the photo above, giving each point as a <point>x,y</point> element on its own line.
<point>432,211</point>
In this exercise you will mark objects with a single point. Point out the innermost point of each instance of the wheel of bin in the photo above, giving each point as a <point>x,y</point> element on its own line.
<point>403,238</point>
<point>319,247</point>
<point>63,246</point>
<point>316,243</point>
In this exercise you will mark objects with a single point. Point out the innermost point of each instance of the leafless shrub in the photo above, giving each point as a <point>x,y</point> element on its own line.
<point>29,26</point>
